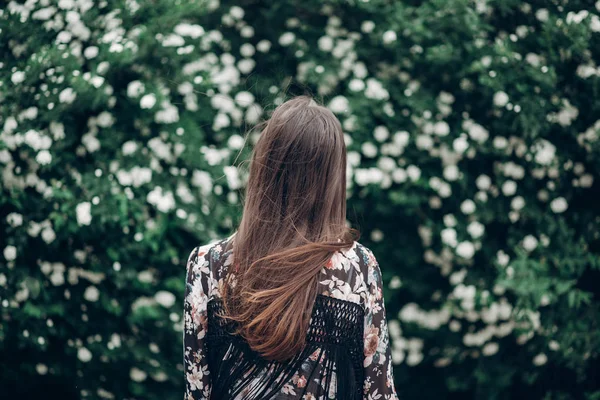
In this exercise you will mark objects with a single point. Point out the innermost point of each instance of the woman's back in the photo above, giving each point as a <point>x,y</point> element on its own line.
<point>347,353</point>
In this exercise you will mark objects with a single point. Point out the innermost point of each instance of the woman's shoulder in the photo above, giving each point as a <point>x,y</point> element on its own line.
<point>220,249</point>
<point>362,252</point>
<point>215,248</point>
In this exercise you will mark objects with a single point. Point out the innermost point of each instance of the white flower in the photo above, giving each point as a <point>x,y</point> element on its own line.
<point>424,142</point>
<point>467,206</point>
<point>64,37</point>
<point>595,23</point>
<point>148,101</point>
<point>44,14</point>
<point>509,187</point>
<point>542,15</point>
<point>451,172</point>
<point>41,369</point>
<point>464,291</point>
<point>376,235</point>
<point>414,358</point>
<point>503,258</point>
<point>232,176</point>
<point>221,121</point>
<point>500,142</point>
<point>168,115</point>
<point>517,203</point>
<point>17,77</point>
<point>530,242</point>
<point>460,144</point>
<point>500,99</point>
<point>381,133</point>
<point>135,88</point>
<point>163,201</point>
<point>465,250</point>
<point>441,128</point>
<point>514,170</point>
<point>235,142</point>
<point>136,177</point>
<point>164,298</point>
<point>10,253</point>
<point>483,182</point>
<point>585,71</point>
<point>449,236</point>
<point>105,119</point>
<point>567,114</point>
<point>401,138</point>
<point>414,172</point>
<point>287,38</point>
<point>450,220</point>
<point>369,149</point>
<point>360,70</point>
<point>263,46</point>
<point>559,205</point>
<point>244,99</point>
<point>338,104</point>
<point>365,176</point>
<point>129,147</point>
<point>58,130</point>
<point>586,180</point>
<point>325,43</point>
<point>97,81</point>
<point>173,40</point>
<point>544,152</point>
<point>236,12</point>
<point>66,4</point>
<point>203,181</point>
<point>540,360</point>
<point>478,133</point>
<point>476,229</point>
<point>84,214</point>
<point>67,96</point>
<point>247,50</point>
<point>367,26</point>
<point>356,85</point>
<point>10,124</point>
<point>91,293</point>
<point>43,157</point>
<point>193,31</point>
<point>399,175</point>
<point>14,219</point>
<point>389,37</point>
<point>37,141</point>
<point>145,276</point>
<point>90,52</point>
<point>490,349</point>
<point>576,18</point>
<point>83,354</point>
<point>137,375</point>
<point>375,90</point>
<point>48,235</point>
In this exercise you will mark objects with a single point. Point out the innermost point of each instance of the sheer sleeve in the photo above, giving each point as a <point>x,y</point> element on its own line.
<point>197,376</point>
<point>379,380</point>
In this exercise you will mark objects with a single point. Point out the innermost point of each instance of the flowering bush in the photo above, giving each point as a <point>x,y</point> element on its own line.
<point>473,153</point>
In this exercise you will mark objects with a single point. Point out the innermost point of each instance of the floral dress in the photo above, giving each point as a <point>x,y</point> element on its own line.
<point>347,353</point>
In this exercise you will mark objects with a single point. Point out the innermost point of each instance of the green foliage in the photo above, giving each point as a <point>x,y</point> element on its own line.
<point>473,153</point>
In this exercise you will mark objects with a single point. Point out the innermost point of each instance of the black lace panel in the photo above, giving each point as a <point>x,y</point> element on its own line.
<point>331,362</point>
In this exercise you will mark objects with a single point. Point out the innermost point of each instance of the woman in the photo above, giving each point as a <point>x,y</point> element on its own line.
<point>290,306</point>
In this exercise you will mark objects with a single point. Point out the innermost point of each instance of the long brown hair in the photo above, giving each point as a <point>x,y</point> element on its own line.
<point>294,220</point>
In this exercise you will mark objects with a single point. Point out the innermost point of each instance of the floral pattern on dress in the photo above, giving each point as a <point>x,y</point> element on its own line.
<point>351,275</point>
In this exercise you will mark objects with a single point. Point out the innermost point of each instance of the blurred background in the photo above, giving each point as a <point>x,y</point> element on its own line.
<point>472,133</point>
